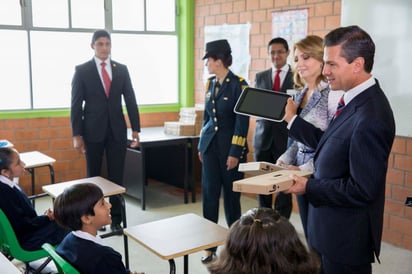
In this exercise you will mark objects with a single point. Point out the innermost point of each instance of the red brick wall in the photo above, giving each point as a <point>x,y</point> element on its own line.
<point>324,15</point>
<point>52,136</point>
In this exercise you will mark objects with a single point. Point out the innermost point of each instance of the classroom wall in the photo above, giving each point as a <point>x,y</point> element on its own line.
<point>53,135</point>
<point>324,15</point>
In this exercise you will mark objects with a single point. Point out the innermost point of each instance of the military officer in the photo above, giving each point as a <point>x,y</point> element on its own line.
<point>222,145</point>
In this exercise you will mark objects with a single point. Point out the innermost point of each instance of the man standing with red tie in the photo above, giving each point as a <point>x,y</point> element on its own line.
<point>270,139</point>
<point>97,119</point>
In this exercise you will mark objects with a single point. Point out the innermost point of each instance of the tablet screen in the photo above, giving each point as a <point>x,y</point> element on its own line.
<point>262,103</point>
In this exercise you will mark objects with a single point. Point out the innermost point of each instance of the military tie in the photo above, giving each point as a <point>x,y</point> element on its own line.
<point>217,87</point>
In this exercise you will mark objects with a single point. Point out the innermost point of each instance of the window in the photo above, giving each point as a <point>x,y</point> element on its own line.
<point>43,40</point>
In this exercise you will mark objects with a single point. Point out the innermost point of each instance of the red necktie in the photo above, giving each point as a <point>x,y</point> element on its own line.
<point>339,109</point>
<point>106,79</point>
<point>276,81</point>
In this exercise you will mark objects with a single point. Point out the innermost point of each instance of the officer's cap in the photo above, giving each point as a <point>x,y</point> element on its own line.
<point>216,47</point>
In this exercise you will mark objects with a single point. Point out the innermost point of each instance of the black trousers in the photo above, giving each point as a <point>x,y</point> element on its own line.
<point>114,153</point>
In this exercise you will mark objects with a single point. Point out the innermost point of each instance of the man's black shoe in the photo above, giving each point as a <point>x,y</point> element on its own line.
<point>116,229</point>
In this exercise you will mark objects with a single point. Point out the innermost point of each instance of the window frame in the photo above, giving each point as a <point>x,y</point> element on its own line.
<point>185,37</point>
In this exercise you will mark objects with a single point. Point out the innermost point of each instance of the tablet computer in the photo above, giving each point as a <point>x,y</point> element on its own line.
<point>262,103</point>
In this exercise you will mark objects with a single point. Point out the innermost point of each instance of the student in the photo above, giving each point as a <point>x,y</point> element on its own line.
<point>83,209</point>
<point>346,193</point>
<point>264,242</point>
<point>31,230</point>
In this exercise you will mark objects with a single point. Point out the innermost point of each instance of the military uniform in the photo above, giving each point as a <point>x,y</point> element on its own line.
<point>224,134</point>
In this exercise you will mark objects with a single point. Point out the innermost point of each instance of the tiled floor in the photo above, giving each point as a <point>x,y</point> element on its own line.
<point>165,201</point>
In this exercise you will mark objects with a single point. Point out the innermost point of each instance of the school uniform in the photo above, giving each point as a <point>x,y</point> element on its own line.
<point>87,255</point>
<point>31,230</point>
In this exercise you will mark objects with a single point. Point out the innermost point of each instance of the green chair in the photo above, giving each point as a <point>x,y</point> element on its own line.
<point>62,265</point>
<point>10,246</point>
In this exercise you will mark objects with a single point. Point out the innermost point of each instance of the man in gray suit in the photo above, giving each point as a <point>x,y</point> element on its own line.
<point>270,139</point>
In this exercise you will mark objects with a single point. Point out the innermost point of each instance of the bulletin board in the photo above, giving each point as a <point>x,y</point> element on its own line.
<point>238,37</point>
<point>292,25</point>
<point>389,24</point>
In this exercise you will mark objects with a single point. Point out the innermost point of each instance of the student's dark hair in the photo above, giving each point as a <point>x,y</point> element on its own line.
<point>5,157</point>
<point>100,33</point>
<point>279,40</point>
<point>74,202</point>
<point>263,242</point>
<point>355,42</point>
<point>225,57</point>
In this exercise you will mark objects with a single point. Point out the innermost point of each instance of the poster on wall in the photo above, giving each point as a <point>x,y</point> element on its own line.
<point>238,38</point>
<point>291,25</point>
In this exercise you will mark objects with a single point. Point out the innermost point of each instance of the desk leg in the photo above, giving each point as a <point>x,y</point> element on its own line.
<point>186,175</point>
<point>186,264</point>
<point>126,245</point>
<point>172,266</point>
<point>144,177</point>
<point>33,184</point>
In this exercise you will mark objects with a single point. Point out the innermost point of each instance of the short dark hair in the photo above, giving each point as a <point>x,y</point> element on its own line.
<point>355,43</point>
<point>100,33</point>
<point>226,58</point>
<point>76,201</point>
<point>5,157</point>
<point>279,40</point>
<point>262,241</point>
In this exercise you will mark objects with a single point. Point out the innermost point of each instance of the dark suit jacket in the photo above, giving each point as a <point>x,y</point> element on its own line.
<point>89,257</point>
<point>268,134</point>
<point>31,230</point>
<point>92,120</point>
<point>347,191</point>
<point>221,122</point>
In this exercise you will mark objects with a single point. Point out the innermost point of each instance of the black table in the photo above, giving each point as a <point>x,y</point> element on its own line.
<point>167,158</point>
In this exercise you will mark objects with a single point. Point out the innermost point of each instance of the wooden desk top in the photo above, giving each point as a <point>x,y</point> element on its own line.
<point>109,188</point>
<point>36,159</point>
<point>8,267</point>
<point>178,236</point>
<point>156,134</point>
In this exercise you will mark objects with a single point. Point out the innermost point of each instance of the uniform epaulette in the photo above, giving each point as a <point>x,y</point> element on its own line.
<point>238,140</point>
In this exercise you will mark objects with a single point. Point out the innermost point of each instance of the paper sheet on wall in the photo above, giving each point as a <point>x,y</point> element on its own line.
<point>238,38</point>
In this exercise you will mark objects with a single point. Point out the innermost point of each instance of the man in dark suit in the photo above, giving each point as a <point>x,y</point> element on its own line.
<point>347,189</point>
<point>270,139</point>
<point>98,123</point>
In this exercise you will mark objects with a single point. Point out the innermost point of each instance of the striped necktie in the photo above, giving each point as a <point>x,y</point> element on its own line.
<point>339,109</point>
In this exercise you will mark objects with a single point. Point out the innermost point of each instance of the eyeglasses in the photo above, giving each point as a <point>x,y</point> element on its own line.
<point>278,52</point>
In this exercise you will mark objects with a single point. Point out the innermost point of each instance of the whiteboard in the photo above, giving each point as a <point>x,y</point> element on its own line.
<point>389,24</point>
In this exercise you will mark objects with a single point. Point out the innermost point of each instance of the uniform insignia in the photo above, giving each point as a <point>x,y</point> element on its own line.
<point>207,84</point>
<point>241,79</point>
<point>238,140</point>
<point>227,80</point>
